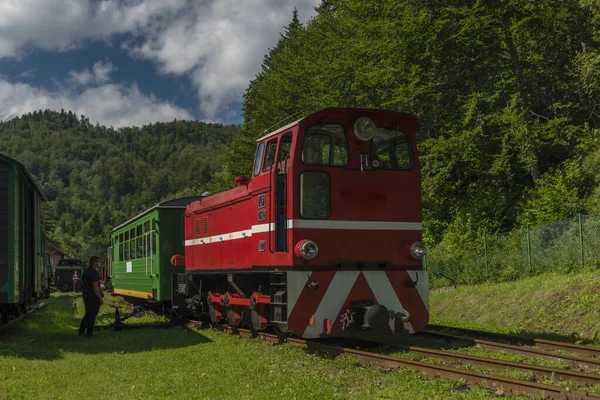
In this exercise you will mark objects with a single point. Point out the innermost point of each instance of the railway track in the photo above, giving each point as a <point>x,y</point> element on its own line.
<point>586,351</point>
<point>499,384</point>
<point>579,356</point>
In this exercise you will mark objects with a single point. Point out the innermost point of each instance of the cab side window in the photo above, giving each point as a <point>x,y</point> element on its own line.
<point>285,147</point>
<point>270,154</point>
<point>259,156</point>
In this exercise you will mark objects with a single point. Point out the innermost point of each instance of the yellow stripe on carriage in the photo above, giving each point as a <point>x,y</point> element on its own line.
<point>133,293</point>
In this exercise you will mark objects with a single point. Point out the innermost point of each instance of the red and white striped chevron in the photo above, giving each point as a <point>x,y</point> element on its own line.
<point>317,299</point>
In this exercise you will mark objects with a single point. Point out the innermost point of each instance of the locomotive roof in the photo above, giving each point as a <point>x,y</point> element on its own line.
<point>275,132</point>
<point>324,110</point>
<point>25,171</point>
<point>181,202</point>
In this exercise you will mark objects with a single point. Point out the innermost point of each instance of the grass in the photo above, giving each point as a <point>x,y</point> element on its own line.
<point>44,358</point>
<point>557,306</point>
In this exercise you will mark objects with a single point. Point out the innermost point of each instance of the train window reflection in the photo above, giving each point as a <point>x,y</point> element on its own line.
<point>325,145</point>
<point>270,156</point>
<point>259,156</point>
<point>315,202</point>
<point>391,149</point>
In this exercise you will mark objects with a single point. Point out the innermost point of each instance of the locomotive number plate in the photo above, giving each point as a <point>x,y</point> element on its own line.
<point>262,215</point>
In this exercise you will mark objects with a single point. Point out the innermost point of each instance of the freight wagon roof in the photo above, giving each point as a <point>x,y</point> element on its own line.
<point>181,202</point>
<point>25,172</point>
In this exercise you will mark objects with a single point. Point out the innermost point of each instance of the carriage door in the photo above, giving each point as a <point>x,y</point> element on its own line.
<point>281,190</point>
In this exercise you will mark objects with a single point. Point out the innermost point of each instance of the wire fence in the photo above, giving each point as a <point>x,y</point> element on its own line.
<point>569,245</point>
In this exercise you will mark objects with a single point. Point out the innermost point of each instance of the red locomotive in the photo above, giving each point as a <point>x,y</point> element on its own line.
<point>323,241</point>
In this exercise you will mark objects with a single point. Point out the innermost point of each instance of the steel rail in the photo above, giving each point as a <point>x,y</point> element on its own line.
<point>584,363</point>
<point>585,378</point>
<point>488,381</point>
<point>583,350</point>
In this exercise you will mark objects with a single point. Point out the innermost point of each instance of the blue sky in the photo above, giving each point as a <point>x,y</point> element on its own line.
<point>134,62</point>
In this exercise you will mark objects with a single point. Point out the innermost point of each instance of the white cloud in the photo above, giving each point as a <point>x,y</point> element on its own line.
<point>110,104</point>
<point>64,24</point>
<point>218,44</point>
<point>100,74</point>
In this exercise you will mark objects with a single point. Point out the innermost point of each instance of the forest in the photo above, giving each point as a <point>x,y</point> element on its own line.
<point>95,177</point>
<point>507,92</point>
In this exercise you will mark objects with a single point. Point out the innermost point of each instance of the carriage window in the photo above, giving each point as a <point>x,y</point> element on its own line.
<point>325,145</point>
<point>259,156</point>
<point>270,156</point>
<point>126,250</point>
<point>391,149</point>
<point>120,251</point>
<point>154,243</point>
<point>140,248</point>
<point>139,230</point>
<point>315,195</point>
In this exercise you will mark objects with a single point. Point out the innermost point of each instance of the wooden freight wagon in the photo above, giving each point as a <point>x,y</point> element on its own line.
<point>24,274</point>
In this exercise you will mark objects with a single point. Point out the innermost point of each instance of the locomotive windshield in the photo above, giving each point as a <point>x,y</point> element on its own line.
<point>391,149</point>
<point>325,145</point>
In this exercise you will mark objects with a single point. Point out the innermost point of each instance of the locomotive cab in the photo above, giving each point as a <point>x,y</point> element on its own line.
<point>347,181</point>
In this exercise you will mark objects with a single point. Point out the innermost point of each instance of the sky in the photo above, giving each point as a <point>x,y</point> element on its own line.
<point>135,62</point>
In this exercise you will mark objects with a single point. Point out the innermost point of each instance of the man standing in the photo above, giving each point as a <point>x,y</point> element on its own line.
<point>92,297</point>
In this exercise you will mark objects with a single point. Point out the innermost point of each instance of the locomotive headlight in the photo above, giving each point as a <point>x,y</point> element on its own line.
<point>417,250</point>
<point>364,129</point>
<point>307,249</point>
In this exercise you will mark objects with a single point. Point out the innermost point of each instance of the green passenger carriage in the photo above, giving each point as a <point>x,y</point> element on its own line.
<point>141,248</point>
<point>24,271</point>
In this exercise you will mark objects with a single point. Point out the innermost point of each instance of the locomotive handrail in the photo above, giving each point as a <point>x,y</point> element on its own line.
<point>271,206</point>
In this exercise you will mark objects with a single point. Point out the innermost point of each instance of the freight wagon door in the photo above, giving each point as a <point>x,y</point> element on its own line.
<point>4,211</point>
<point>281,191</point>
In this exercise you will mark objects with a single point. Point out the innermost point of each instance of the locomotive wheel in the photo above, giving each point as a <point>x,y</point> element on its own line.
<point>212,311</point>
<point>247,318</point>
<point>258,322</point>
<point>233,318</point>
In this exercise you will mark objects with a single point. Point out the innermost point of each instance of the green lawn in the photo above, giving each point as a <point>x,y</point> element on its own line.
<point>560,306</point>
<point>45,359</point>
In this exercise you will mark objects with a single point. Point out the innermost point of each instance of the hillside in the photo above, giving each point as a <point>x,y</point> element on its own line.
<point>551,304</point>
<point>95,177</point>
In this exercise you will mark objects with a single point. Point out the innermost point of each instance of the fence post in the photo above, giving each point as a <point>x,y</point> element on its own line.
<point>581,240</point>
<point>485,256</point>
<point>528,249</point>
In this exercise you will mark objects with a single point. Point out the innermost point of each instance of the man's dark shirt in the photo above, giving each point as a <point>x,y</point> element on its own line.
<point>89,277</point>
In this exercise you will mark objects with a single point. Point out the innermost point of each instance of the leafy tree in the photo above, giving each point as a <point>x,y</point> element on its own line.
<point>96,177</point>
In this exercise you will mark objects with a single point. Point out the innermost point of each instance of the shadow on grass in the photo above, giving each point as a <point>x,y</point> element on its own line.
<point>53,332</point>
